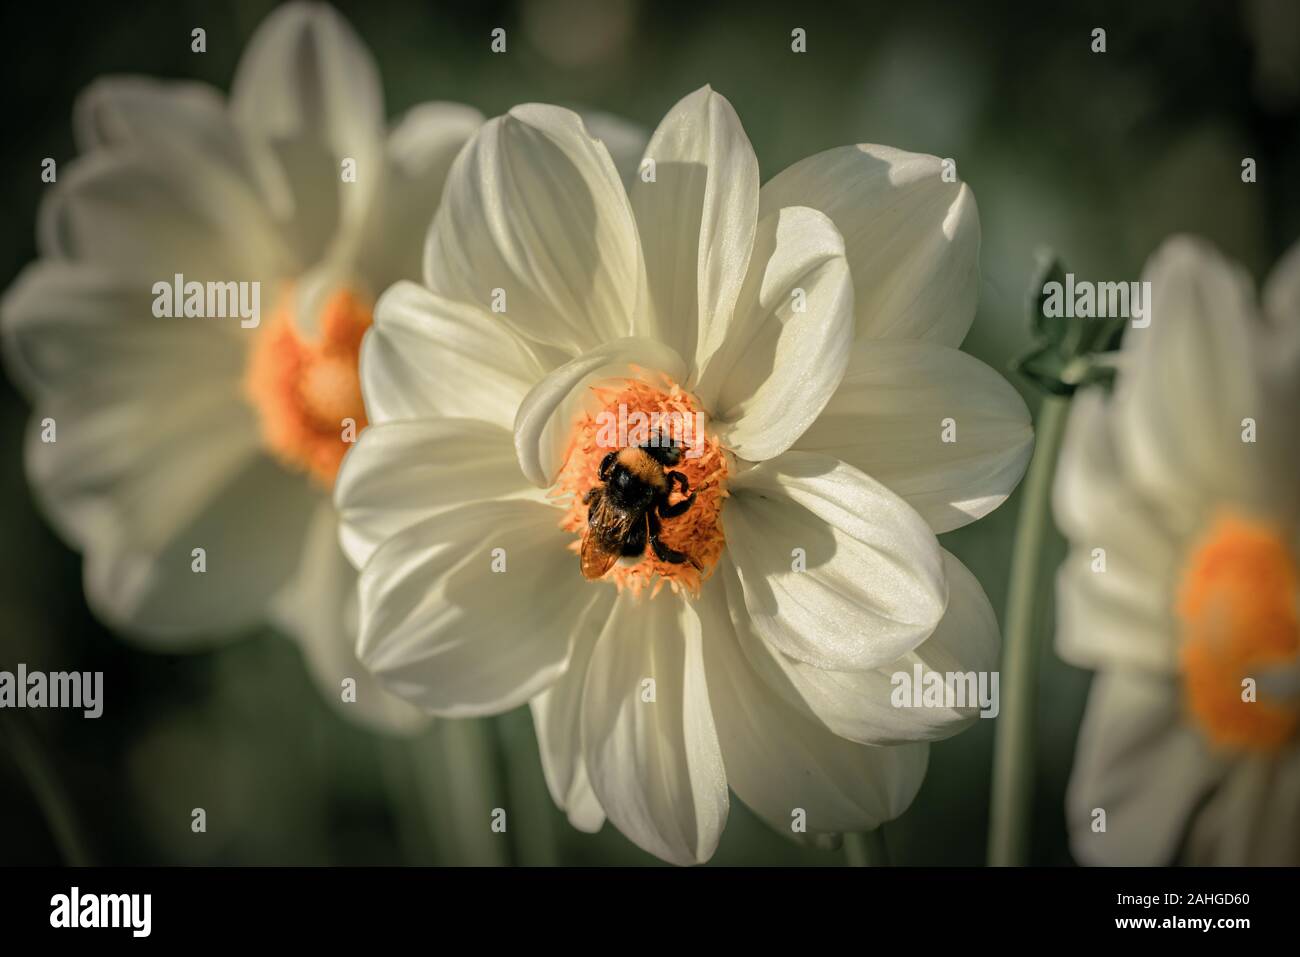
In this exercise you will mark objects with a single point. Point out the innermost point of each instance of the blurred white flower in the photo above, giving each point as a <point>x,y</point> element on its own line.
<point>180,433</point>
<point>814,323</point>
<point>1180,495</point>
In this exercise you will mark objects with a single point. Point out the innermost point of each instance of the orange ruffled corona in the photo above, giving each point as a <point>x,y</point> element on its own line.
<point>697,532</point>
<point>308,392</point>
<point>1237,603</point>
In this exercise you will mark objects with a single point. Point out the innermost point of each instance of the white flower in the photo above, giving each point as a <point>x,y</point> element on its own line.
<point>1180,495</point>
<point>180,433</point>
<point>814,323</point>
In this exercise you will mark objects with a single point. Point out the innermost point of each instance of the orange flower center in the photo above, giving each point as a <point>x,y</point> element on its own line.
<point>638,413</point>
<point>1241,643</point>
<point>307,391</point>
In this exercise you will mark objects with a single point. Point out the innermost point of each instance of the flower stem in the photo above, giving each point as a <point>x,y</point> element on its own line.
<point>533,815</point>
<point>399,765</point>
<point>462,788</point>
<point>866,849</point>
<point>50,794</point>
<point>1013,763</point>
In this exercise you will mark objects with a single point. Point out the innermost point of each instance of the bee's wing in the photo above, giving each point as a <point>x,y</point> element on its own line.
<point>602,542</point>
<point>596,560</point>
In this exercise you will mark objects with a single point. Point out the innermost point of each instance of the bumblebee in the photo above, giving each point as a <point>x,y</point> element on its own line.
<point>625,509</point>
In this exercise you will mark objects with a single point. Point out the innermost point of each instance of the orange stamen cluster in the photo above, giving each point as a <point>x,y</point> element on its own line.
<point>306,391</point>
<point>1237,603</point>
<point>697,532</point>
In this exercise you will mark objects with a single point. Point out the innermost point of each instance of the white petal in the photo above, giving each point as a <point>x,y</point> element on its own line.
<point>1280,359</point>
<point>181,117</point>
<point>557,716</point>
<point>697,219</point>
<point>874,585</point>
<point>534,207</point>
<point>429,357</point>
<point>968,640</point>
<point>156,455</point>
<point>1281,296</point>
<point>1114,607</point>
<point>67,326</point>
<point>427,138</point>
<point>625,140</point>
<point>780,761</point>
<point>400,473</point>
<point>307,94</point>
<point>139,530</point>
<point>544,422</point>
<point>419,154</point>
<point>912,239</point>
<point>1250,819</point>
<point>141,463</point>
<point>859,705</point>
<point>888,418</point>
<point>185,123</point>
<point>584,810</point>
<point>786,348</point>
<point>442,629</point>
<point>1139,761</point>
<point>1108,618</point>
<point>305,71</point>
<point>1190,380</point>
<point>142,213</point>
<point>318,608</point>
<point>655,766</point>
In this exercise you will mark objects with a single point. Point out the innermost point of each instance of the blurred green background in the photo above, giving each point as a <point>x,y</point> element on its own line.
<point>1098,156</point>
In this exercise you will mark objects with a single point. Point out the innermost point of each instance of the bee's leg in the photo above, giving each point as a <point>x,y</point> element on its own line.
<point>672,511</point>
<point>634,544</point>
<point>606,464</point>
<point>592,496</point>
<point>662,551</point>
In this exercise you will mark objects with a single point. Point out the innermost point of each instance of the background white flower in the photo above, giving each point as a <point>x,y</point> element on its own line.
<point>823,435</point>
<point>159,449</point>
<point>1186,478</point>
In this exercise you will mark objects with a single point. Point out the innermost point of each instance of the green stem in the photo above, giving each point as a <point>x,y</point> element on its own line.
<point>50,795</point>
<point>1013,763</point>
<point>866,849</point>
<point>460,781</point>
<point>533,816</point>
<point>399,765</point>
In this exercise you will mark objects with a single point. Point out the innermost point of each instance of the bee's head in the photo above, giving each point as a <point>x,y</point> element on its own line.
<point>664,451</point>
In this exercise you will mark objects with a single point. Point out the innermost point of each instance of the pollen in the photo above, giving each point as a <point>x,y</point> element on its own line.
<point>1237,604</point>
<point>307,390</point>
<point>666,410</point>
